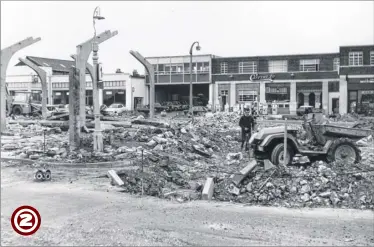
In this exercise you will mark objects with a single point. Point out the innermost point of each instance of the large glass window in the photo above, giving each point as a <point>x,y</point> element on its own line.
<point>372,58</point>
<point>356,58</point>
<point>278,66</point>
<point>247,95</point>
<point>247,67</point>
<point>309,65</point>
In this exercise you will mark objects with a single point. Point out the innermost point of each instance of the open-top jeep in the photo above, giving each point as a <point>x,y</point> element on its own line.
<point>334,143</point>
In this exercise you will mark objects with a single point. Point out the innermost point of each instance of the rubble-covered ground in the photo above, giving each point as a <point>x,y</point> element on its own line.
<point>175,156</point>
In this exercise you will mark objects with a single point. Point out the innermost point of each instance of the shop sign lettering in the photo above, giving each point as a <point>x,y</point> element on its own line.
<point>257,77</point>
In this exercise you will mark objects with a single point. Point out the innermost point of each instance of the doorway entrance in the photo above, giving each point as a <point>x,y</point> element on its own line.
<point>335,105</point>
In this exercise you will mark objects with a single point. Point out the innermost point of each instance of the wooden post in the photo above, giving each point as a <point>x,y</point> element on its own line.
<point>285,144</point>
<point>74,106</point>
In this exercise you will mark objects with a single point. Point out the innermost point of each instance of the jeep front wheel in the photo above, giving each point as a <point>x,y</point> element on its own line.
<point>277,155</point>
<point>17,110</point>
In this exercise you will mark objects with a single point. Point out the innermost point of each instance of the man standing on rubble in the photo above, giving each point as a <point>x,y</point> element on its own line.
<point>246,123</point>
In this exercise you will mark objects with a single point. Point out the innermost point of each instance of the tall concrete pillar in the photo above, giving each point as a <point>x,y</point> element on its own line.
<point>232,94</point>
<point>6,54</point>
<point>216,97</point>
<point>293,100</point>
<point>50,89</point>
<point>306,99</point>
<point>101,97</point>
<point>211,96</point>
<point>343,95</point>
<point>325,96</point>
<point>318,101</point>
<point>262,92</point>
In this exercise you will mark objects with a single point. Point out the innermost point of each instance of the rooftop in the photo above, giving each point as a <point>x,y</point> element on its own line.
<point>57,65</point>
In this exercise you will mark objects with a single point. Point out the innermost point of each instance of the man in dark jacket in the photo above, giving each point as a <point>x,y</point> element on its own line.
<point>247,123</point>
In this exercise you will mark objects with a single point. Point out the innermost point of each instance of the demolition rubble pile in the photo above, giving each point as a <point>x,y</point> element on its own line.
<point>173,160</point>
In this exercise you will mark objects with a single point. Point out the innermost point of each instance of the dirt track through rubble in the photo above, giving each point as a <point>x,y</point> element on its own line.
<point>93,213</point>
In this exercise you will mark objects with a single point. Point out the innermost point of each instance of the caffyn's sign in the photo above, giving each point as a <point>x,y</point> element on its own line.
<point>257,77</point>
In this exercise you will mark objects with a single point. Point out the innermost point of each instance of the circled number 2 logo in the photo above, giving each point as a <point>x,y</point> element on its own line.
<point>25,220</point>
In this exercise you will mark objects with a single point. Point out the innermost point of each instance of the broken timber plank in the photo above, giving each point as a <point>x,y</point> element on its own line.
<point>208,189</point>
<point>238,178</point>
<point>115,177</point>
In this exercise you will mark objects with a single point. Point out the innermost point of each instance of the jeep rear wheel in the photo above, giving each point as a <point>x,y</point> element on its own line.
<point>344,150</point>
<point>277,155</point>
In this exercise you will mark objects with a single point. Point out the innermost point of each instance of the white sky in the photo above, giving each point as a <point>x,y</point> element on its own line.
<point>169,28</point>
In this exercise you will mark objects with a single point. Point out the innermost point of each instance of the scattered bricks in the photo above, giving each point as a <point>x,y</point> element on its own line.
<point>249,187</point>
<point>158,148</point>
<point>303,182</point>
<point>113,175</point>
<point>246,170</point>
<point>153,158</point>
<point>10,146</point>
<point>234,190</point>
<point>237,179</point>
<point>34,157</point>
<point>183,131</point>
<point>305,197</point>
<point>160,140</point>
<point>234,156</point>
<point>201,150</point>
<point>208,189</point>
<point>325,194</point>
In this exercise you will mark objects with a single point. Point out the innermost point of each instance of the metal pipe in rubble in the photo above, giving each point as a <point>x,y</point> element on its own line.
<point>285,144</point>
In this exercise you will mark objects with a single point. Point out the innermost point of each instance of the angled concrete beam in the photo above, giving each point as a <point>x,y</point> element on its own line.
<point>43,78</point>
<point>89,67</point>
<point>83,52</point>
<point>6,55</point>
<point>151,75</point>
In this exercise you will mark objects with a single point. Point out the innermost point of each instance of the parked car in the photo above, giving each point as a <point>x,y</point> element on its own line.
<point>116,108</point>
<point>185,105</point>
<point>159,107</point>
<point>176,106</point>
<point>168,105</point>
<point>304,110</point>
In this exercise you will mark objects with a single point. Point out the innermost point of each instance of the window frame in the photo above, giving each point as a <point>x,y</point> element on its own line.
<point>336,64</point>
<point>351,55</point>
<point>224,68</point>
<point>372,58</point>
<point>250,67</point>
<point>307,62</point>
<point>250,96</point>
<point>284,66</point>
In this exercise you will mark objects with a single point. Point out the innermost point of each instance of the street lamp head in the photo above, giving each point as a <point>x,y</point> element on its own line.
<point>99,17</point>
<point>198,48</point>
<point>96,14</point>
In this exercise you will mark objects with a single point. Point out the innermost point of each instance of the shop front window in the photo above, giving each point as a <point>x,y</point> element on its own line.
<point>277,93</point>
<point>247,95</point>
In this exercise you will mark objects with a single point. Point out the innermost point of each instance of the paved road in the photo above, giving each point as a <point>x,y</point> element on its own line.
<point>83,213</point>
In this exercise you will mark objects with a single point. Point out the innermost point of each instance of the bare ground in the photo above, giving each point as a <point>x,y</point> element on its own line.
<point>79,209</point>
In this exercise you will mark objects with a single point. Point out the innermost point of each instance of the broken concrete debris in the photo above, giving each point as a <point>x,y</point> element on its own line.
<point>179,155</point>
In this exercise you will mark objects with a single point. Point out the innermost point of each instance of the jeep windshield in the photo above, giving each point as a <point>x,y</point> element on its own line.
<point>20,97</point>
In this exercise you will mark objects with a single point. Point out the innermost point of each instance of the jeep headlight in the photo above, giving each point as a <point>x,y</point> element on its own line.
<point>252,138</point>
